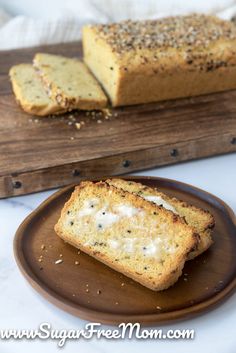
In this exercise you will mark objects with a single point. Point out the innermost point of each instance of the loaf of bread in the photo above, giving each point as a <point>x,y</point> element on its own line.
<point>30,92</point>
<point>149,61</point>
<point>200,219</point>
<point>69,82</point>
<point>133,236</point>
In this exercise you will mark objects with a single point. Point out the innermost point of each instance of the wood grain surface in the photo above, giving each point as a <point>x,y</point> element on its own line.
<point>41,153</point>
<point>93,291</point>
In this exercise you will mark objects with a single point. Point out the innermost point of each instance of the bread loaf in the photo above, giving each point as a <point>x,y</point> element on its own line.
<point>133,236</point>
<point>200,219</point>
<point>149,61</point>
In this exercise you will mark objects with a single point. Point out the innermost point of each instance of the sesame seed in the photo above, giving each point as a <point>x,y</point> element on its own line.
<point>194,30</point>
<point>57,262</point>
<point>76,262</point>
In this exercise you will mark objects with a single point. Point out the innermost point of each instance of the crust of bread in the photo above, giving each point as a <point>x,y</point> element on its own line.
<point>174,264</point>
<point>202,220</point>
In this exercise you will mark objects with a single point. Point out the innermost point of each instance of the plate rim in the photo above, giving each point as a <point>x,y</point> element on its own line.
<point>88,314</point>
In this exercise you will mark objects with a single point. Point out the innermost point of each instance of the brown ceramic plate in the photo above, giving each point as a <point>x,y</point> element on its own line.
<point>95,292</point>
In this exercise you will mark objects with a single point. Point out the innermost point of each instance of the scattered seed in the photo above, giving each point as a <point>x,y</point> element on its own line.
<point>98,291</point>
<point>57,262</point>
<point>42,247</point>
<point>158,307</point>
<point>87,290</point>
<point>76,262</point>
<point>116,303</point>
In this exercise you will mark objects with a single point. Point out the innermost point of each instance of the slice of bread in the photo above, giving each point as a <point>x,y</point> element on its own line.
<point>30,92</point>
<point>201,220</point>
<point>131,235</point>
<point>69,82</point>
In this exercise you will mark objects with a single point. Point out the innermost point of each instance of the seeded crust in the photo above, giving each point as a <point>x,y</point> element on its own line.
<point>200,219</point>
<point>150,223</point>
<point>69,82</point>
<point>155,60</point>
<point>30,92</point>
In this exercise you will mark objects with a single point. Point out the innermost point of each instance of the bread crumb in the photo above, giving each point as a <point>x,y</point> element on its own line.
<point>99,121</point>
<point>58,261</point>
<point>78,126</point>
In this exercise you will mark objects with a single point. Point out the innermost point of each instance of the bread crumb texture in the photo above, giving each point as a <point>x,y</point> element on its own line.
<point>69,82</point>
<point>30,92</point>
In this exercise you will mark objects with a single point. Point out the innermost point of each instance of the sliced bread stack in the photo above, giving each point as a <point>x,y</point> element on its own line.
<point>55,84</point>
<point>123,228</point>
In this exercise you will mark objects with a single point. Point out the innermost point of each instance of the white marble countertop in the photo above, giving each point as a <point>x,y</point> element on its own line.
<point>21,307</point>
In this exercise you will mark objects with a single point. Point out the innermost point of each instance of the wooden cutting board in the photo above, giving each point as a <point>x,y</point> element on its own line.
<point>41,153</point>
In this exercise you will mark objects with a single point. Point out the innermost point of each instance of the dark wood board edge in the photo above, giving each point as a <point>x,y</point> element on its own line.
<point>43,179</point>
<point>106,318</point>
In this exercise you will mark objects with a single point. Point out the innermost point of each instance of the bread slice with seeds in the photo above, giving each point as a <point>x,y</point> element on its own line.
<point>30,92</point>
<point>200,219</point>
<point>131,235</point>
<point>69,82</point>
